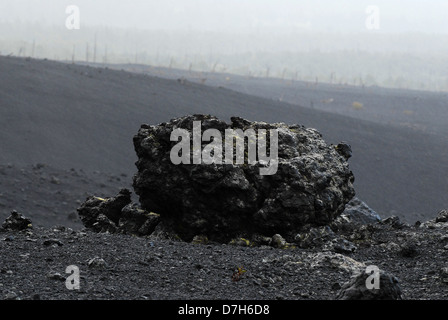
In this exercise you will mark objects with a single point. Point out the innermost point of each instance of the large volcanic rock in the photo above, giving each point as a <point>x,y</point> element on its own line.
<point>311,186</point>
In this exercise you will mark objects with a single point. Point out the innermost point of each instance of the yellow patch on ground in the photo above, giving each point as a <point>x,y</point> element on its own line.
<point>357,105</point>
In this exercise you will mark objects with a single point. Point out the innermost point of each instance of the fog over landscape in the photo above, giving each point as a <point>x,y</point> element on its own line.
<point>404,46</point>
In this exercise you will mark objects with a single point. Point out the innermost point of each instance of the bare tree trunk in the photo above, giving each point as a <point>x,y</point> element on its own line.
<point>94,50</point>
<point>214,66</point>
<point>73,54</point>
<point>105,55</point>
<point>283,74</point>
<point>33,48</point>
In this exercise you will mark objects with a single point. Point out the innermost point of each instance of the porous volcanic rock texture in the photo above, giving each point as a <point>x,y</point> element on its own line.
<point>311,186</point>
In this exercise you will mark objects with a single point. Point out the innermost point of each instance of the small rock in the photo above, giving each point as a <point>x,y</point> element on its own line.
<point>9,238</point>
<point>358,212</point>
<point>242,242</point>
<point>391,246</point>
<point>16,222</point>
<point>340,245</point>
<point>277,241</point>
<point>442,216</point>
<point>394,222</point>
<point>344,150</point>
<point>97,263</point>
<point>55,276</point>
<point>52,242</point>
<point>315,237</point>
<point>54,180</point>
<point>439,222</point>
<point>136,221</point>
<point>103,215</point>
<point>200,239</point>
<point>38,166</point>
<point>356,288</point>
<point>11,296</point>
<point>335,261</point>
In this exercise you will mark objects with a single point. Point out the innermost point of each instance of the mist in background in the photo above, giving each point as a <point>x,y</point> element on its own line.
<point>403,44</point>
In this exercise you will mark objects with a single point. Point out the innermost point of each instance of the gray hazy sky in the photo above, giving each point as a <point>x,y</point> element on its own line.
<point>237,15</point>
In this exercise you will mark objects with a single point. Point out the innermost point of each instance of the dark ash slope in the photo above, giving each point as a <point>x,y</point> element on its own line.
<point>70,116</point>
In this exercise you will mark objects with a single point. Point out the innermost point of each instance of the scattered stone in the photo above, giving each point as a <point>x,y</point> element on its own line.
<point>336,261</point>
<point>358,212</point>
<point>55,180</point>
<point>261,240</point>
<point>200,239</point>
<point>136,221</point>
<point>391,246</point>
<point>439,222</point>
<point>9,238</point>
<point>11,296</point>
<point>17,222</point>
<point>52,242</point>
<point>315,237</point>
<point>97,263</point>
<point>394,222</point>
<point>102,215</point>
<point>326,239</point>
<point>38,166</point>
<point>363,235</point>
<point>340,245</point>
<point>344,150</point>
<point>242,242</point>
<point>55,276</point>
<point>117,215</point>
<point>442,216</point>
<point>277,241</point>
<point>356,288</point>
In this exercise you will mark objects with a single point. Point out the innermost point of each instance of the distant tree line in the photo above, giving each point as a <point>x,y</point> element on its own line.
<point>417,62</point>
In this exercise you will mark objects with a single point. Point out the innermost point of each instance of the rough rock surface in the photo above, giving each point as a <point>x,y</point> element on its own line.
<point>117,215</point>
<point>312,185</point>
<point>357,211</point>
<point>16,221</point>
<point>357,288</point>
<point>439,222</point>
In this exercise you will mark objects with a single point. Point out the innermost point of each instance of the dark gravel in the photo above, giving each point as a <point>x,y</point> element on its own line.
<point>116,267</point>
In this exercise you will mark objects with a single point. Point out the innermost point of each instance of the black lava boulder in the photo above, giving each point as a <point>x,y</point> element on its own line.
<point>311,185</point>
